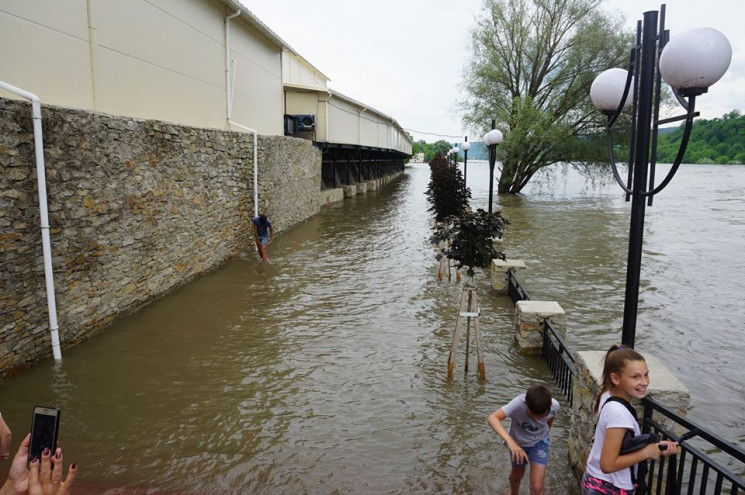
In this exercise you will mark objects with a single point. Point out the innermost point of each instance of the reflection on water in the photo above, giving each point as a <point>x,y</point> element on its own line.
<point>325,371</point>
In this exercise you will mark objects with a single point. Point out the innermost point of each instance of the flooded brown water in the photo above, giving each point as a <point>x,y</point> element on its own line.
<point>325,371</point>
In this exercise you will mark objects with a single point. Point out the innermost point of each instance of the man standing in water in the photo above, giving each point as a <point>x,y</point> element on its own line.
<point>263,234</point>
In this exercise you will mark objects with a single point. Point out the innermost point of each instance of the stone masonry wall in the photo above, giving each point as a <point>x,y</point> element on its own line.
<point>137,208</point>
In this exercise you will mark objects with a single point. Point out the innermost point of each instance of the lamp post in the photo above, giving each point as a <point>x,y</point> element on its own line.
<point>492,139</point>
<point>455,150</point>
<point>689,64</point>
<point>465,147</point>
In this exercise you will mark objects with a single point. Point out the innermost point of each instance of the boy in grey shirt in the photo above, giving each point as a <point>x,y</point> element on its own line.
<point>532,415</point>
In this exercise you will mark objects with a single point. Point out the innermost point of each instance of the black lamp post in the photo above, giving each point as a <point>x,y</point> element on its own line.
<point>689,64</point>
<point>492,139</point>
<point>465,147</point>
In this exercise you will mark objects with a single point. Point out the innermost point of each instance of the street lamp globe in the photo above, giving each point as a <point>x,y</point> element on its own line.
<point>493,137</point>
<point>694,60</point>
<point>607,90</point>
<point>466,146</point>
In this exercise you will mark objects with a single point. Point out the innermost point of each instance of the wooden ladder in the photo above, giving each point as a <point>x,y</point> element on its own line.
<point>468,309</point>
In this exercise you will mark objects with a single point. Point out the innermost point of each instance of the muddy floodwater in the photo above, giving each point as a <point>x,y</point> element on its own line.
<point>325,371</point>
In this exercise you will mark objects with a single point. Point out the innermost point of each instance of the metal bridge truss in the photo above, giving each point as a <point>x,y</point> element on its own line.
<point>347,164</point>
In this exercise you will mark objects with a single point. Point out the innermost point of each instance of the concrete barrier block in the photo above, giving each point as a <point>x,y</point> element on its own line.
<point>499,268</point>
<point>529,318</point>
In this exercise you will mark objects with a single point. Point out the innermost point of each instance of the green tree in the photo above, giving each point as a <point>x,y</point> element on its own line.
<point>532,66</point>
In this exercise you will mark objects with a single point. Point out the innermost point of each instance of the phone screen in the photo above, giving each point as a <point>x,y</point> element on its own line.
<point>44,427</point>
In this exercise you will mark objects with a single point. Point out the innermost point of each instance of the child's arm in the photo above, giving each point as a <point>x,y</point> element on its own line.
<point>611,460</point>
<point>516,452</point>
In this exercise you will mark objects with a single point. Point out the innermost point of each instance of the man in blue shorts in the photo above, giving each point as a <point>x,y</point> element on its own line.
<point>532,415</point>
<point>263,234</point>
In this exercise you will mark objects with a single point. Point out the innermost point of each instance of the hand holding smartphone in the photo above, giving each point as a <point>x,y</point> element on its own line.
<point>44,429</point>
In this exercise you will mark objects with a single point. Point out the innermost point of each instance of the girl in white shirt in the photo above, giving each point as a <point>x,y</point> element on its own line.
<point>626,376</point>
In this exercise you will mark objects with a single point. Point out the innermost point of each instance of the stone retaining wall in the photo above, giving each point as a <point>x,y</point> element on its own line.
<point>137,208</point>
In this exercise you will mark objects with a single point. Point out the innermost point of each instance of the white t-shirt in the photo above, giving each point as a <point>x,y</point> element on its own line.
<point>613,415</point>
<point>525,430</point>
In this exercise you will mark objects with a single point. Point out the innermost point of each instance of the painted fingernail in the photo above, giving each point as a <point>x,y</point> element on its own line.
<point>74,465</point>
<point>34,460</point>
<point>58,454</point>
<point>45,451</point>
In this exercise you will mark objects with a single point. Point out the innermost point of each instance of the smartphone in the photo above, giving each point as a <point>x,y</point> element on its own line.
<point>44,428</point>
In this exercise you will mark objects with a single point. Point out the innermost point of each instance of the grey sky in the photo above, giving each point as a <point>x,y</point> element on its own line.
<point>406,58</point>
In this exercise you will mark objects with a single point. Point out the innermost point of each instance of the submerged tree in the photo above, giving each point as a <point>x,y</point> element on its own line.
<point>532,67</point>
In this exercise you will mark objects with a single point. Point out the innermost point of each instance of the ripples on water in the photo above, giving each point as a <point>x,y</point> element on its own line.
<point>325,371</point>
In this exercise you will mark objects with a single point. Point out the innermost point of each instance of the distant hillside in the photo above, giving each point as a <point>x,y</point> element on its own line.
<point>720,140</point>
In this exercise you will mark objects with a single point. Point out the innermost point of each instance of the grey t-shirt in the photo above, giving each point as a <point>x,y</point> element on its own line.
<point>525,430</point>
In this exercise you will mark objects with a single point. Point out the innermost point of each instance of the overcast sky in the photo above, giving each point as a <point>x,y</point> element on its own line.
<point>406,58</point>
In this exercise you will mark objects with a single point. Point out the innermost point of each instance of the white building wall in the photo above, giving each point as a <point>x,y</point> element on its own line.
<point>44,49</point>
<point>154,59</point>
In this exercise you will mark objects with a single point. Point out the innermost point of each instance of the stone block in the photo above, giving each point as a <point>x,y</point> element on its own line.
<point>499,268</point>
<point>529,318</point>
<point>362,188</point>
<point>332,196</point>
<point>372,185</point>
<point>350,191</point>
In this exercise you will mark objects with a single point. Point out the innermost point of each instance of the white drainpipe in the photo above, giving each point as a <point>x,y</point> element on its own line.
<point>43,213</point>
<point>229,109</point>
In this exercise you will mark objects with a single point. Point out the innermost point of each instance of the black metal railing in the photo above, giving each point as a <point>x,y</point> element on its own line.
<point>560,360</point>
<point>706,464</point>
<point>514,289</point>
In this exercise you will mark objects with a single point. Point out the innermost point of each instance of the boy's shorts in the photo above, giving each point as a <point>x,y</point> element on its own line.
<point>264,240</point>
<point>537,454</point>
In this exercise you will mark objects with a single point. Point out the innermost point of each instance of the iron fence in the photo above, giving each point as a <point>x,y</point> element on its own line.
<point>560,360</point>
<point>705,463</point>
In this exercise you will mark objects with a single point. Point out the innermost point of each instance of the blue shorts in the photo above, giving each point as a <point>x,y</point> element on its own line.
<point>537,454</point>
<point>264,240</point>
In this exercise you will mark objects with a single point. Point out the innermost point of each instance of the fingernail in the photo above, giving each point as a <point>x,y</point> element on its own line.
<point>45,451</point>
<point>74,465</point>
<point>58,454</point>
<point>34,460</point>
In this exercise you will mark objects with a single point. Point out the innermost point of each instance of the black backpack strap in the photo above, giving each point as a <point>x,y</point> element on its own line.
<point>634,475</point>
<point>625,403</point>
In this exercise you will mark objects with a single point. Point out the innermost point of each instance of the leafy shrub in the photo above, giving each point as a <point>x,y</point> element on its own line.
<point>447,191</point>
<point>471,238</point>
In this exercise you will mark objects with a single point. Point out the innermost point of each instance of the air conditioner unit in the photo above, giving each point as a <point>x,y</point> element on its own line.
<point>290,127</point>
<point>305,122</point>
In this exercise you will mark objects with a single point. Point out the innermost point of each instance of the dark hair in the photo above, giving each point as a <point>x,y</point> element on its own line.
<point>538,399</point>
<point>263,218</point>
<point>615,361</point>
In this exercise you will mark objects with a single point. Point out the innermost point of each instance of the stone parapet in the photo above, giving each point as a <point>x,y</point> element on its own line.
<point>362,188</point>
<point>499,277</point>
<point>529,321</point>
